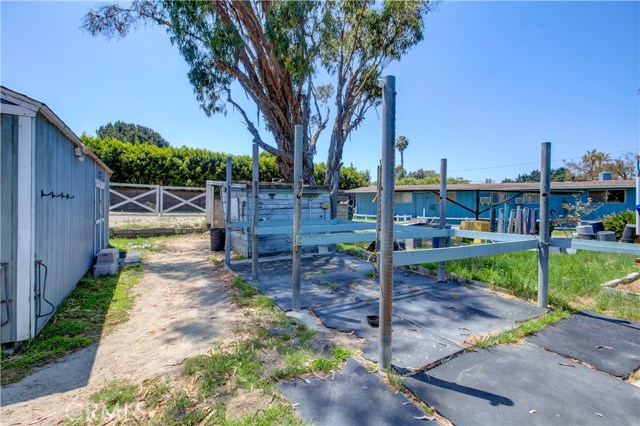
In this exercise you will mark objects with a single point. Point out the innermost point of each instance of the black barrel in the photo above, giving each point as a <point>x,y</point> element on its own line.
<point>629,234</point>
<point>597,226</point>
<point>217,239</point>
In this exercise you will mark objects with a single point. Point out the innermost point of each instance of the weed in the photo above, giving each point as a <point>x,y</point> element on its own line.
<point>370,274</point>
<point>394,379</point>
<point>115,394</point>
<point>574,280</point>
<point>94,308</point>
<point>526,328</point>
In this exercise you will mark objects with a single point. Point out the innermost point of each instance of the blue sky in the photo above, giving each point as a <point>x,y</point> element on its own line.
<point>487,85</point>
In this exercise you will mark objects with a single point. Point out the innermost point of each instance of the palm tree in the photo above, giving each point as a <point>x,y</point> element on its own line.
<point>402,143</point>
<point>594,160</point>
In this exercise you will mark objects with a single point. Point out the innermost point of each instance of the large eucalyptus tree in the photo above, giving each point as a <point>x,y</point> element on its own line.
<point>279,52</point>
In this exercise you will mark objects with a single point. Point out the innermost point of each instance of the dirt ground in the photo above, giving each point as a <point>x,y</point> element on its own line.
<point>633,286</point>
<point>180,310</point>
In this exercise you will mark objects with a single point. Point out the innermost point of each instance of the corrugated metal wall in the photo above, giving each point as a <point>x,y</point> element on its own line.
<point>64,227</point>
<point>8,225</point>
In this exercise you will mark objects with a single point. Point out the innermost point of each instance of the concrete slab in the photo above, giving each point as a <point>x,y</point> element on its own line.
<point>524,385</point>
<point>609,344</point>
<point>354,396</point>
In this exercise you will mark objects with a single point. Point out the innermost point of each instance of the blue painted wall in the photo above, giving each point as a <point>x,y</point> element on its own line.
<point>424,203</point>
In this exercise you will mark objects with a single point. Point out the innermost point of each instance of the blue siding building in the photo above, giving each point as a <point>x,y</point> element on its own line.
<point>54,209</point>
<point>474,201</point>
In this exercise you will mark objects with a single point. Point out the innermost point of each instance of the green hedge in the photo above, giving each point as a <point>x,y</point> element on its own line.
<point>149,164</point>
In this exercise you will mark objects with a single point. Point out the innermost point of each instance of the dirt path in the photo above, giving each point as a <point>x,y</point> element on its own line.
<point>180,310</point>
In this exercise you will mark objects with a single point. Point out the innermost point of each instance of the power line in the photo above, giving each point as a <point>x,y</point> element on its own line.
<point>529,164</point>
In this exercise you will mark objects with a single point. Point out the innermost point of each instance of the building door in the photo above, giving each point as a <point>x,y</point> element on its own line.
<point>100,225</point>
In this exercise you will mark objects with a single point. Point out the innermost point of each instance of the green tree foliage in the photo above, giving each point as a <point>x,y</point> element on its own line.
<point>425,177</point>
<point>593,162</point>
<point>557,175</point>
<point>132,133</point>
<point>274,51</point>
<point>350,177</point>
<point>149,164</point>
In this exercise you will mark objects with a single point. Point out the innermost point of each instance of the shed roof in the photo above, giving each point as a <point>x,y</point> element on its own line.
<point>509,187</point>
<point>13,97</point>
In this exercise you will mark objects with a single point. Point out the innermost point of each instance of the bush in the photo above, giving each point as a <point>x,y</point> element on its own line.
<point>617,222</point>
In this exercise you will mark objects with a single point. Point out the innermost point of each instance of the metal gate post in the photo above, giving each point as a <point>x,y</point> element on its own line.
<point>543,250</point>
<point>227,219</point>
<point>442,241</point>
<point>254,224</point>
<point>386,219</point>
<point>296,250</point>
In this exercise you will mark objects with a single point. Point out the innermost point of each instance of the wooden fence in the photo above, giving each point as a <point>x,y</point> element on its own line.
<point>156,199</point>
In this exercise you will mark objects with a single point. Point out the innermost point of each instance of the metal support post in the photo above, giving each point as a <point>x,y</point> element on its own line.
<point>386,219</point>
<point>442,242</point>
<point>296,249</point>
<point>492,219</point>
<point>255,178</point>
<point>544,237</point>
<point>376,247</point>
<point>334,195</point>
<point>227,219</point>
<point>334,200</point>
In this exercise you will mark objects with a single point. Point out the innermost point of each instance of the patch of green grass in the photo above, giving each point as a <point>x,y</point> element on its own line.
<point>116,394</point>
<point>219,367</point>
<point>394,379</point>
<point>354,249</point>
<point>142,244</point>
<point>574,280</point>
<point>371,274</point>
<point>526,328</point>
<point>277,413</point>
<point>93,308</point>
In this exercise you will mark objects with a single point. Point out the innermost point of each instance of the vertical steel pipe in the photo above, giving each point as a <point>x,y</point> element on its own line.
<point>376,248</point>
<point>544,237</point>
<point>296,250</point>
<point>227,219</point>
<point>255,182</point>
<point>442,276</point>
<point>386,219</point>
<point>334,195</point>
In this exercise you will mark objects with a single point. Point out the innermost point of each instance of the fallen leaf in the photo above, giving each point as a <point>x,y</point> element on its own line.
<point>532,411</point>
<point>425,417</point>
<point>603,347</point>
<point>598,414</point>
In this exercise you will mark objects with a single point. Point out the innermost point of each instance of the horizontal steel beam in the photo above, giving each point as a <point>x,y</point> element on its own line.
<point>366,236</point>
<point>491,236</point>
<point>604,246</point>
<point>415,257</point>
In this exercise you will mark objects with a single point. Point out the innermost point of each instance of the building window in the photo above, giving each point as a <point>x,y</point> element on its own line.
<point>402,197</point>
<point>532,198</point>
<point>498,197</point>
<point>451,195</point>
<point>607,196</point>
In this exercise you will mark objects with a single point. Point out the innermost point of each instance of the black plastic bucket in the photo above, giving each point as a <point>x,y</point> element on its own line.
<point>217,239</point>
<point>629,234</point>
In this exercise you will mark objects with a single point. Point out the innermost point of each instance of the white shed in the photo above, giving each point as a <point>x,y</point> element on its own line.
<point>54,208</point>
